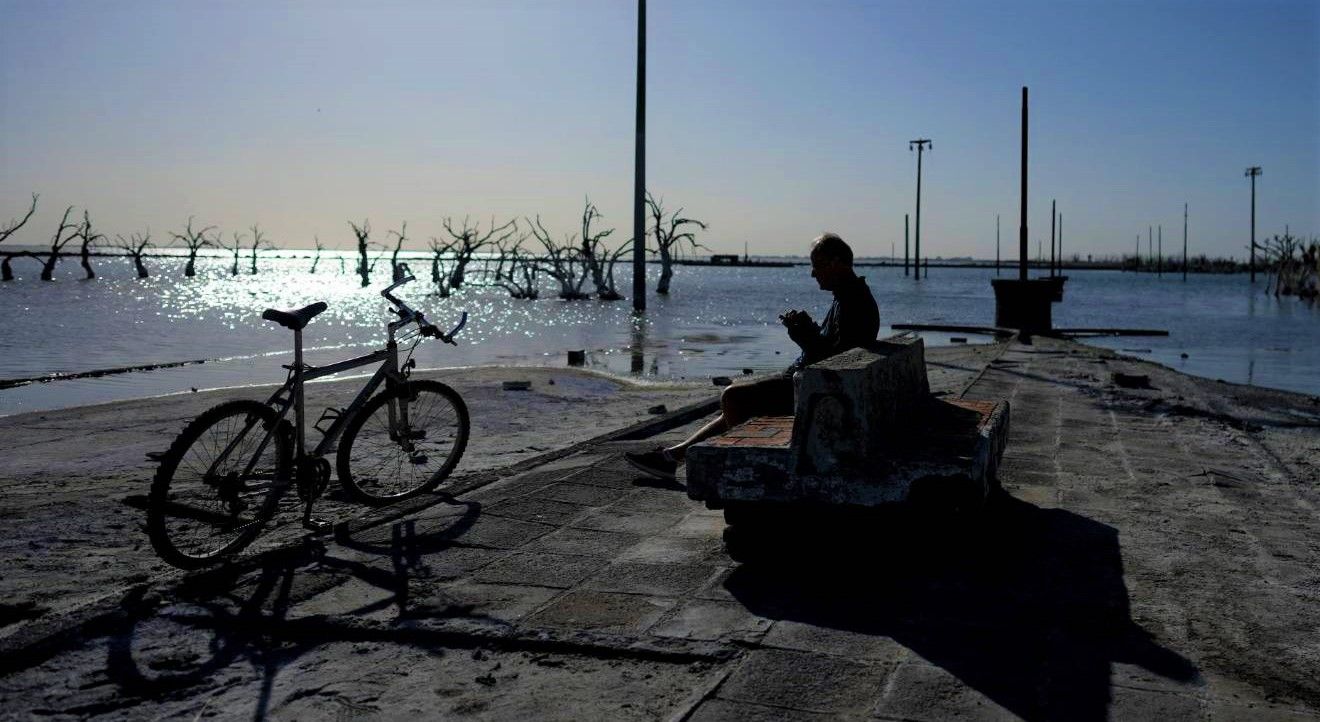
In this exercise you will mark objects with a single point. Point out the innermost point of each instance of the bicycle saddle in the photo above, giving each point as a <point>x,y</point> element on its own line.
<point>296,319</point>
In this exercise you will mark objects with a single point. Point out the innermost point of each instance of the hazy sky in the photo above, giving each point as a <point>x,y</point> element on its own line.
<point>772,121</point>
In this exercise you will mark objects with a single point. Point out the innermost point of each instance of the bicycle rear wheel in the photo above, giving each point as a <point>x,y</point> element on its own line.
<point>404,442</point>
<point>218,484</point>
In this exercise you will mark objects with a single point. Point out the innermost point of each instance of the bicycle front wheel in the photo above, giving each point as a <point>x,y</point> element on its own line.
<point>218,484</point>
<point>404,442</point>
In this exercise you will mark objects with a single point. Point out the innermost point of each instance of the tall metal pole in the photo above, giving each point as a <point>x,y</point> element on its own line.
<point>1053,216</point>
<point>1184,242</point>
<point>1060,244</point>
<point>1022,222</point>
<point>921,145</point>
<point>1159,258</point>
<point>639,164</point>
<point>1150,243</point>
<point>996,244</point>
<point>1252,172</point>
<point>905,244</point>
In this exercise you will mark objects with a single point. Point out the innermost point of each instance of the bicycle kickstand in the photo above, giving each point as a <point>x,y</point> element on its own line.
<point>315,524</point>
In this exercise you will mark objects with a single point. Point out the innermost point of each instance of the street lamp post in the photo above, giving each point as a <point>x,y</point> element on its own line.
<point>1251,173</point>
<point>920,144</point>
<point>639,177</point>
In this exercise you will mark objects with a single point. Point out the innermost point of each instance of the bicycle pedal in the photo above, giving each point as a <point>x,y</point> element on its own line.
<point>319,526</point>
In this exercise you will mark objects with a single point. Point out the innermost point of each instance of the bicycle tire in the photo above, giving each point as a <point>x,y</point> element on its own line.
<point>193,520</point>
<point>440,422</point>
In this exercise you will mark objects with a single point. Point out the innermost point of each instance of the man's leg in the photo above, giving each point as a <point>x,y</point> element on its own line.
<point>737,404</point>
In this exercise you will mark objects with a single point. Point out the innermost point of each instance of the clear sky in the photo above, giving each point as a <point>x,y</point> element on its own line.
<point>770,120</point>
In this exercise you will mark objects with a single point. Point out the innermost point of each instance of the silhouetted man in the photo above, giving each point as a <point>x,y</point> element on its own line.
<point>853,320</point>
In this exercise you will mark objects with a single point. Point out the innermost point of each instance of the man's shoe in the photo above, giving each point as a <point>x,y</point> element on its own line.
<point>657,463</point>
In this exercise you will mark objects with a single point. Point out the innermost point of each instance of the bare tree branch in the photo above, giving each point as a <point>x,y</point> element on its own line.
<point>14,224</point>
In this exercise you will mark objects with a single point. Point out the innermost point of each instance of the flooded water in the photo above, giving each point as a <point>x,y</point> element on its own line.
<point>716,321</point>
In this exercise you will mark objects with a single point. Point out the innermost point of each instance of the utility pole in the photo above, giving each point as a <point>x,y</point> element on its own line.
<point>1251,173</point>
<point>1184,242</point>
<point>1022,222</point>
<point>1052,217</point>
<point>1159,259</point>
<point>905,244</point>
<point>921,145</point>
<point>996,244</point>
<point>639,165</point>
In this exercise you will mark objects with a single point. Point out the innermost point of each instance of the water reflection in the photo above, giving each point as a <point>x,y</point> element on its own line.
<point>717,321</point>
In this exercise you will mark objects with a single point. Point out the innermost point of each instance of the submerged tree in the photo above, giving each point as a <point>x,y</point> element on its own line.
<point>194,241</point>
<point>258,242</point>
<point>468,240</point>
<point>599,258</point>
<point>235,247</point>
<point>562,262</point>
<point>363,234</point>
<point>317,258</point>
<point>670,238</point>
<point>516,272</point>
<point>440,276</point>
<point>7,273</point>
<point>88,238</point>
<point>135,247</point>
<point>57,242</point>
<point>396,270</point>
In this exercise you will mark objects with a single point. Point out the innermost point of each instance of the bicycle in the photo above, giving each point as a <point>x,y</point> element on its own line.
<point>223,477</point>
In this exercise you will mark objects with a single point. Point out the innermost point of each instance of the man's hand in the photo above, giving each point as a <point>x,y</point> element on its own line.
<point>800,326</point>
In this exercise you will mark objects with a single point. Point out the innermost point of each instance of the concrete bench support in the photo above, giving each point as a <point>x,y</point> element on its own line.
<point>865,432</point>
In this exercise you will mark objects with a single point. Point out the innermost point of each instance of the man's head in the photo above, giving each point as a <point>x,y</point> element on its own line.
<point>831,261</point>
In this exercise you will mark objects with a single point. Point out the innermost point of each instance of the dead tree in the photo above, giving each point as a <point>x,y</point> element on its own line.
<point>439,275</point>
<point>670,238</point>
<point>135,247</point>
<point>57,242</point>
<point>317,258</point>
<point>88,237</point>
<point>258,242</point>
<point>520,278</point>
<point>236,248</point>
<point>562,262</point>
<point>7,273</point>
<point>396,271</point>
<point>363,233</point>
<point>469,240</point>
<point>599,258</point>
<point>194,241</point>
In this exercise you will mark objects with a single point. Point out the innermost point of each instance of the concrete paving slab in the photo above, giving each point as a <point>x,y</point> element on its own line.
<point>661,580</point>
<point>560,571</point>
<point>805,681</point>
<point>700,619</point>
<point>600,611</point>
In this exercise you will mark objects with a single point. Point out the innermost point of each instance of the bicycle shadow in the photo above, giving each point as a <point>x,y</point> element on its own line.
<point>236,614</point>
<point>1030,609</point>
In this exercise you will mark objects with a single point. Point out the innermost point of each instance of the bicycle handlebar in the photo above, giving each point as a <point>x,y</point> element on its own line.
<point>427,329</point>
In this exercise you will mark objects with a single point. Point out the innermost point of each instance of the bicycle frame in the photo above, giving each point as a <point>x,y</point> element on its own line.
<point>290,395</point>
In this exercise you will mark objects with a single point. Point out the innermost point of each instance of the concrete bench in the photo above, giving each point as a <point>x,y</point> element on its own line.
<point>866,432</point>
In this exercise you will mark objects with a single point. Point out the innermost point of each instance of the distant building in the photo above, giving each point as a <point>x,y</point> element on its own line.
<point>718,259</point>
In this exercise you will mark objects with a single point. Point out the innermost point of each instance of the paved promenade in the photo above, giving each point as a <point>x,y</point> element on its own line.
<point>1154,555</point>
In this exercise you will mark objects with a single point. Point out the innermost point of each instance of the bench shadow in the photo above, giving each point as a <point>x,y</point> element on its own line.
<point>1027,606</point>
